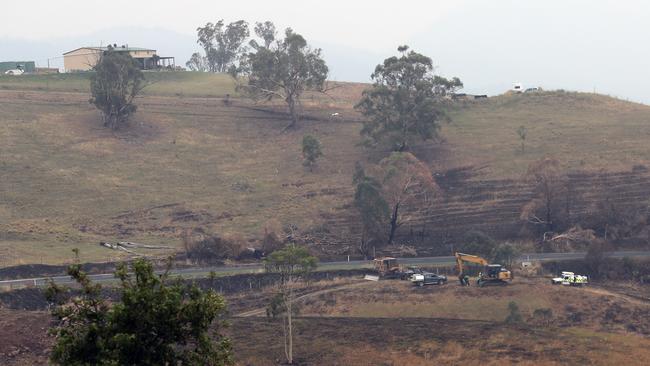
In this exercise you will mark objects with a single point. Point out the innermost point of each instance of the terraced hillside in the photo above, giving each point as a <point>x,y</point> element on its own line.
<point>190,160</point>
<point>494,207</point>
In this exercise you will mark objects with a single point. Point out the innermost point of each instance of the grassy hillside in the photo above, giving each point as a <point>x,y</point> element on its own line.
<point>190,162</point>
<point>160,83</point>
<point>583,131</point>
<point>184,163</point>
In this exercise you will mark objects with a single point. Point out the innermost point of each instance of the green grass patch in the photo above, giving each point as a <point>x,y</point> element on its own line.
<point>180,84</point>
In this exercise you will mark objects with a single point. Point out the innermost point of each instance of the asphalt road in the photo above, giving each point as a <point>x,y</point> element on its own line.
<point>202,272</point>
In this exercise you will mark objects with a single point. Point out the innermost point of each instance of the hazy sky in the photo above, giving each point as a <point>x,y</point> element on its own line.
<point>570,44</point>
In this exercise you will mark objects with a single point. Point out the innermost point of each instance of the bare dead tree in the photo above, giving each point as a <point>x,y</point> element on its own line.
<point>407,184</point>
<point>546,209</point>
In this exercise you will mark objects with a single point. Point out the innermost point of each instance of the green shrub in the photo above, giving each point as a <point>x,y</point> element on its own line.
<point>514,316</point>
<point>155,322</point>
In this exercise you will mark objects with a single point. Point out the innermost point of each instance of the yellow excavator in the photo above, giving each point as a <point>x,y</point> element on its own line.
<point>491,274</point>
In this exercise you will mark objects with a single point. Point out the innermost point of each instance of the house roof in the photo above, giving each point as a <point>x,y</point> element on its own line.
<point>118,49</point>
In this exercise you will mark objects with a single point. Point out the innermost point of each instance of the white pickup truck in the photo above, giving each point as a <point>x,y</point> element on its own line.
<point>570,279</point>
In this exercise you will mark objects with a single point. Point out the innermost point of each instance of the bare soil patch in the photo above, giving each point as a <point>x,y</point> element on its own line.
<point>23,337</point>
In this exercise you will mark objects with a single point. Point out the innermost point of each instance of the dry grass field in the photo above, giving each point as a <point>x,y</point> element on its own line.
<point>583,131</point>
<point>190,161</point>
<point>184,163</point>
<point>606,309</point>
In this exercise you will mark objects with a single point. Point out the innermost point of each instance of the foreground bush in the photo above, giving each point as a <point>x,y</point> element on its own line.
<point>155,322</point>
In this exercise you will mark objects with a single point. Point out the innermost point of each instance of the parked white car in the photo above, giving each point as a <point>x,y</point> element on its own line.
<point>570,279</point>
<point>15,72</point>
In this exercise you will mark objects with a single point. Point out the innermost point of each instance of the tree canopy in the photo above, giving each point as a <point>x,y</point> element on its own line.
<point>291,263</point>
<point>114,85</point>
<point>505,253</point>
<point>478,243</point>
<point>282,69</point>
<point>223,44</point>
<point>404,101</point>
<point>311,151</point>
<point>407,183</point>
<point>154,322</point>
<point>197,63</point>
<point>549,208</point>
<point>267,32</point>
<point>373,209</point>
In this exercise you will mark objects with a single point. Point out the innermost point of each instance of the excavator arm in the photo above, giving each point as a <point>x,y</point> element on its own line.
<point>462,257</point>
<point>493,273</point>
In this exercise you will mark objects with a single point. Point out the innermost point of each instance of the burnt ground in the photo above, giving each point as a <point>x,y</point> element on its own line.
<point>51,270</point>
<point>47,270</point>
<point>372,341</point>
<point>243,291</point>
<point>24,339</point>
<point>329,341</point>
<point>607,307</point>
<point>604,323</point>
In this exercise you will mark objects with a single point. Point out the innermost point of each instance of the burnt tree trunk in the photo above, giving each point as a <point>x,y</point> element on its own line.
<point>291,102</point>
<point>393,224</point>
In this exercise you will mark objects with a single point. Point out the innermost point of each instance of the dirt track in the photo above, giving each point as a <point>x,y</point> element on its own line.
<point>262,311</point>
<point>604,292</point>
